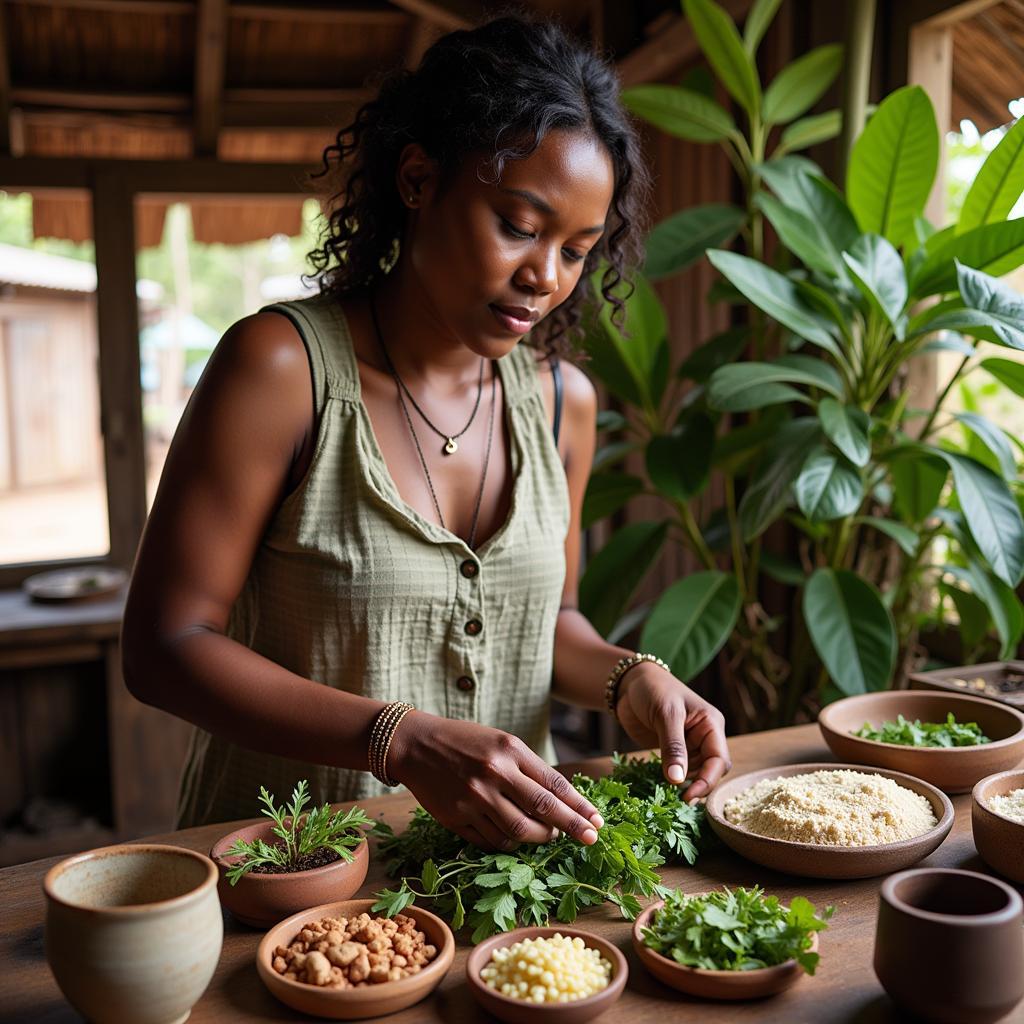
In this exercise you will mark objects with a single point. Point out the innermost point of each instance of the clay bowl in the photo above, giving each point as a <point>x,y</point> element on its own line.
<point>953,769</point>
<point>354,1003</point>
<point>133,932</point>
<point>813,860</point>
<point>262,900</point>
<point>694,981</point>
<point>518,1011</point>
<point>1000,840</point>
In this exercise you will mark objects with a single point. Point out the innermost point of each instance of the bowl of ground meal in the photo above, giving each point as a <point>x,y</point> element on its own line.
<point>997,820</point>
<point>343,961</point>
<point>830,820</point>
<point>948,739</point>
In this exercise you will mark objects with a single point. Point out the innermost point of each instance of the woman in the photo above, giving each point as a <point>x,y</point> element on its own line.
<point>373,499</point>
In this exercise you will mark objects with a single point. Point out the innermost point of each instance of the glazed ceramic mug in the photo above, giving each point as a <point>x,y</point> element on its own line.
<point>133,933</point>
<point>949,945</point>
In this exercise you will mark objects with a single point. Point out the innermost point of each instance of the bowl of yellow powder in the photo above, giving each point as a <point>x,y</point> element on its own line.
<point>564,975</point>
<point>997,821</point>
<point>830,820</point>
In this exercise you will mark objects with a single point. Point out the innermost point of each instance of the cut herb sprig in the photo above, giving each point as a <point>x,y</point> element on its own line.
<point>646,824</point>
<point>298,834</point>
<point>950,733</point>
<point>738,930</point>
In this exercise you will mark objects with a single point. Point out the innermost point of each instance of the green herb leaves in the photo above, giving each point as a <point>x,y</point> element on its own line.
<point>646,824</point>
<point>738,930</point>
<point>950,733</point>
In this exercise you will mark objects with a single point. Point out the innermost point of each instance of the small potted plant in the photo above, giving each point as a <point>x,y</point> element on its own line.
<point>295,860</point>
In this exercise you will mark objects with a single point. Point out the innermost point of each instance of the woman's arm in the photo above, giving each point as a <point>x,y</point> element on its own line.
<point>654,708</point>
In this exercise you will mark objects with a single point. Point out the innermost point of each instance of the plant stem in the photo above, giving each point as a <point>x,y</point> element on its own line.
<point>734,534</point>
<point>926,429</point>
<point>689,524</point>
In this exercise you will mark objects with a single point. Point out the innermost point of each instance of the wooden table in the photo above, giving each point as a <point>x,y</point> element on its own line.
<point>845,988</point>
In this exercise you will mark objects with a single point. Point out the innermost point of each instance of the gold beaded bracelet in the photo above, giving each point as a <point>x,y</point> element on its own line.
<point>622,666</point>
<point>380,739</point>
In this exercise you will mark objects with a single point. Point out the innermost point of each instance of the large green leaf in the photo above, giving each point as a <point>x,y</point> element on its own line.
<point>1007,372</point>
<point>973,615</point>
<point>994,249</point>
<point>740,444</point>
<point>998,184</point>
<point>1002,304</point>
<point>692,620</point>
<point>877,270</point>
<point>680,112</point>
<point>773,293</point>
<point>828,487</point>
<point>904,536</point>
<point>682,239</point>
<point>616,571</point>
<point>1000,601</point>
<point>810,131</point>
<point>761,15</point>
<point>805,190</point>
<point>994,439</point>
<point>743,386</point>
<point>848,428</point>
<point>717,351</point>
<point>801,235</point>
<point>851,630</point>
<point>769,490</point>
<point>992,515</point>
<point>917,481</point>
<point>607,493</point>
<point>892,165</point>
<point>799,85</point>
<point>679,463</point>
<point>721,43</point>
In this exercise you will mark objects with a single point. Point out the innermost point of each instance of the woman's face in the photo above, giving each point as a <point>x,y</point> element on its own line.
<point>493,259</point>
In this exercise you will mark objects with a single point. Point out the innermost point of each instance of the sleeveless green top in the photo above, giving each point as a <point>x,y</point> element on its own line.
<point>353,588</point>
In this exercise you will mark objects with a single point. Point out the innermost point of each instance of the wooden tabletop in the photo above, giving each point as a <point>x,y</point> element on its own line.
<point>844,989</point>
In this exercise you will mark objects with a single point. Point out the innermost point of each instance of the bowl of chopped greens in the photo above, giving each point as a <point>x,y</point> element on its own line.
<point>730,944</point>
<point>948,739</point>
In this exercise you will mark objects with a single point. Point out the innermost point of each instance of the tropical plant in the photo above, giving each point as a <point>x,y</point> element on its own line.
<point>815,427</point>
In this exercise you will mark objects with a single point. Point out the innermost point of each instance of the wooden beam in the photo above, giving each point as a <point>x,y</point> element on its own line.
<point>290,108</point>
<point>940,13</point>
<point>211,43</point>
<point>669,49</point>
<point>5,90</point>
<point>76,99</point>
<point>449,14</point>
<point>153,7</point>
<point>332,14</point>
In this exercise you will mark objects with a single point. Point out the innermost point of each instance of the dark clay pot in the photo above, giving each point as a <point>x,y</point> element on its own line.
<point>949,945</point>
<point>263,900</point>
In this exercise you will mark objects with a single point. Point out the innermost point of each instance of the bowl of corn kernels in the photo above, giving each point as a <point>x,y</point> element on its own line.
<point>558,974</point>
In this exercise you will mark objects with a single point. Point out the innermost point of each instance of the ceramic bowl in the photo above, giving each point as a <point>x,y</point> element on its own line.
<point>133,933</point>
<point>1000,840</point>
<point>765,981</point>
<point>813,860</point>
<point>949,945</point>
<point>518,1011</point>
<point>354,1003</point>
<point>262,900</point>
<point>952,769</point>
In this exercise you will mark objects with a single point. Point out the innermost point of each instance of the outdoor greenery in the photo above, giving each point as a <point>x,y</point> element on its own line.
<point>801,411</point>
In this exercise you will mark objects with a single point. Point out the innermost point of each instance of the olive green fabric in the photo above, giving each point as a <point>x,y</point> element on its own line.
<point>353,588</point>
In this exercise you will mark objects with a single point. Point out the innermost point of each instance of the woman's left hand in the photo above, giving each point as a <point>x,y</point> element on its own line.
<point>657,710</point>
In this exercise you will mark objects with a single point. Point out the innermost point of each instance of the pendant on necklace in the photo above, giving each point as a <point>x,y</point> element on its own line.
<point>451,447</point>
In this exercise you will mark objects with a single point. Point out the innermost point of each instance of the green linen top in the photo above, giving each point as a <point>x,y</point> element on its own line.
<point>353,588</point>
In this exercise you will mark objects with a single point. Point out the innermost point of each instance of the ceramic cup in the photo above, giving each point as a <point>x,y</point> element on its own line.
<point>949,945</point>
<point>133,933</point>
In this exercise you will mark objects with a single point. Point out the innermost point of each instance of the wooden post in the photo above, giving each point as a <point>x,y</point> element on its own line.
<point>860,33</point>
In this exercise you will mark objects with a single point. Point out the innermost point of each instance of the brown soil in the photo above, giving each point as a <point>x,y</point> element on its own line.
<point>317,859</point>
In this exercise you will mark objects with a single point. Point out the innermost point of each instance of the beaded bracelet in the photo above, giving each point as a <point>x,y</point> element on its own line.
<point>380,739</point>
<point>622,666</point>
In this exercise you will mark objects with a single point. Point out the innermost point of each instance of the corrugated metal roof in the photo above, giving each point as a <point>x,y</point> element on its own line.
<point>31,268</point>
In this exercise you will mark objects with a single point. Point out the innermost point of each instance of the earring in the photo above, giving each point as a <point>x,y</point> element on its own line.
<point>412,198</point>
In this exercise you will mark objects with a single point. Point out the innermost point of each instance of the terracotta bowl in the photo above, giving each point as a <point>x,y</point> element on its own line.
<point>953,769</point>
<point>1000,840</point>
<point>765,981</point>
<point>262,900</point>
<point>813,860</point>
<point>355,1003</point>
<point>133,932</point>
<point>518,1011</point>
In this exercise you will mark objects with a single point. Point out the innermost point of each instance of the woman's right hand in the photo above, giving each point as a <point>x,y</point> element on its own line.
<point>486,785</point>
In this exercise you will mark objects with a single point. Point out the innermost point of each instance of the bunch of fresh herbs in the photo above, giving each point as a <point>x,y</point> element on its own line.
<point>298,835</point>
<point>950,733</point>
<point>646,824</point>
<point>741,930</point>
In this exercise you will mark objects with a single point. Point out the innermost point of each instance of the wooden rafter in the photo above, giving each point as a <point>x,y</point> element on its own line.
<point>332,13</point>
<point>5,90</point>
<point>211,43</point>
<point>449,14</point>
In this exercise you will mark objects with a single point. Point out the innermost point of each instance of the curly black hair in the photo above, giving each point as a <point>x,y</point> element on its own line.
<point>496,90</point>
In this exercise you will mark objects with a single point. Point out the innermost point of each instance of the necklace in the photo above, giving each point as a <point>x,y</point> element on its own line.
<point>402,392</point>
<point>450,446</point>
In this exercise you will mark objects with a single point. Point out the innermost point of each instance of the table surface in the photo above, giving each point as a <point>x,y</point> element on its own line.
<point>843,990</point>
